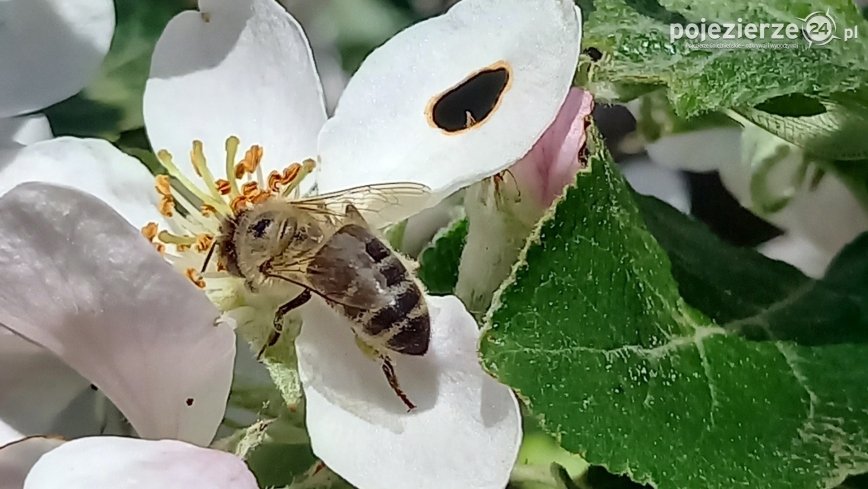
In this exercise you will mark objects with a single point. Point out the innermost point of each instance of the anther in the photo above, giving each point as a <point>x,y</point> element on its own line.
<point>238,204</point>
<point>274,181</point>
<point>250,189</point>
<point>194,277</point>
<point>239,171</point>
<point>167,206</point>
<point>150,231</point>
<point>163,185</point>
<point>252,158</point>
<point>261,197</point>
<point>204,242</point>
<point>223,186</point>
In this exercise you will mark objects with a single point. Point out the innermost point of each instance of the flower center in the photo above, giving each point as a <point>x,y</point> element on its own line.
<point>195,212</point>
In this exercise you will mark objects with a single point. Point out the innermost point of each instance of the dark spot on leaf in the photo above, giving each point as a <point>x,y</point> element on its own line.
<point>189,401</point>
<point>471,102</point>
<point>653,9</point>
<point>93,387</point>
<point>594,54</point>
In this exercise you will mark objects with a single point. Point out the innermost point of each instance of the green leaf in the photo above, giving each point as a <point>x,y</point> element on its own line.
<point>112,102</point>
<point>633,36</point>
<point>594,335</point>
<point>438,263</point>
<point>836,132</point>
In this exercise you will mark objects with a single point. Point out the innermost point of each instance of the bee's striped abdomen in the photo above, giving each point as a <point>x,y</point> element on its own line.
<point>380,295</point>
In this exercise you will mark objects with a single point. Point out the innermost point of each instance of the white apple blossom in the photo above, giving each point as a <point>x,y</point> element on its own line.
<point>773,179</point>
<point>62,333</point>
<point>85,287</point>
<point>49,50</point>
<point>110,462</point>
<point>241,71</point>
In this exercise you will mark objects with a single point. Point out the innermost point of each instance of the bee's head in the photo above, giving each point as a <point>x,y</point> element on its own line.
<point>255,236</point>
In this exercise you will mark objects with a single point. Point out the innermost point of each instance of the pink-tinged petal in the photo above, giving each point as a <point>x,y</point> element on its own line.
<point>553,161</point>
<point>464,432</point>
<point>36,387</point>
<point>107,462</point>
<point>235,67</point>
<point>19,456</point>
<point>50,49</point>
<point>91,165</point>
<point>91,290</point>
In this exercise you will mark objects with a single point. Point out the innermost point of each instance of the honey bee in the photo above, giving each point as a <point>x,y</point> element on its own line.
<point>325,246</point>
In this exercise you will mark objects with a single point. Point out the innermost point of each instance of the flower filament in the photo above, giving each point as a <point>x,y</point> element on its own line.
<point>195,212</point>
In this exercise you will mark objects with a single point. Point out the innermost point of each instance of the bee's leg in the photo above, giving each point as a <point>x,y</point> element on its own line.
<point>389,370</point>
<point>282,311</point>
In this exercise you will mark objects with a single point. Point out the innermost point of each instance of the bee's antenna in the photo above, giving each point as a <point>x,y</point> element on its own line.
<point>208,258</point>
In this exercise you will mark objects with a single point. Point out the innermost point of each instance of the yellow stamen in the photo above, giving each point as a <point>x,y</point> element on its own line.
<point>204,242</point>
<point>231,151</point>
<point>150,231</point>
<point>168,163</point>
<point>194,277</point>
<point>169,238</point>
<point>167,206</point>
<point>207,210</point>
<point>250,189</point>
<point>307,167</point>
<point>182,248</point>
<point>163,185</point>
<point>223,187</point>
<point>200,164</point>
<point>261,197</point>
<point>252,159</point>
<point>160,247</point>
<point>238,204</point>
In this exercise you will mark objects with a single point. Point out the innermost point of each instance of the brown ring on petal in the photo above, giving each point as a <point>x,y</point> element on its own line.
<point>471,102</point>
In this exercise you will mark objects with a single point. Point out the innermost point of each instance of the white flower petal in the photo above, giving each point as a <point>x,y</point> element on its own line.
<point>18,457</point>
<point>798,252</point>
<point>36,388</point>
<point>828,215</point>
<point>382,130</point>
<point>50,49</point>
<point>659,181</point>
<point>91,165</point>
<point>464,432</point>
<point>698,151</point>
<point>237,67</point>
<point>25,129</point>
<point>106,462</point>
<point>91,290</point>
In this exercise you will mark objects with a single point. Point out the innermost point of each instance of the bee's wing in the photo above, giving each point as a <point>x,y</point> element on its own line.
<point>342,271</point>
<point>378,204</point>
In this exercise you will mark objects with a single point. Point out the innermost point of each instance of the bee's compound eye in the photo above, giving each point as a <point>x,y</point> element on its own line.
<point>259,228</point>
